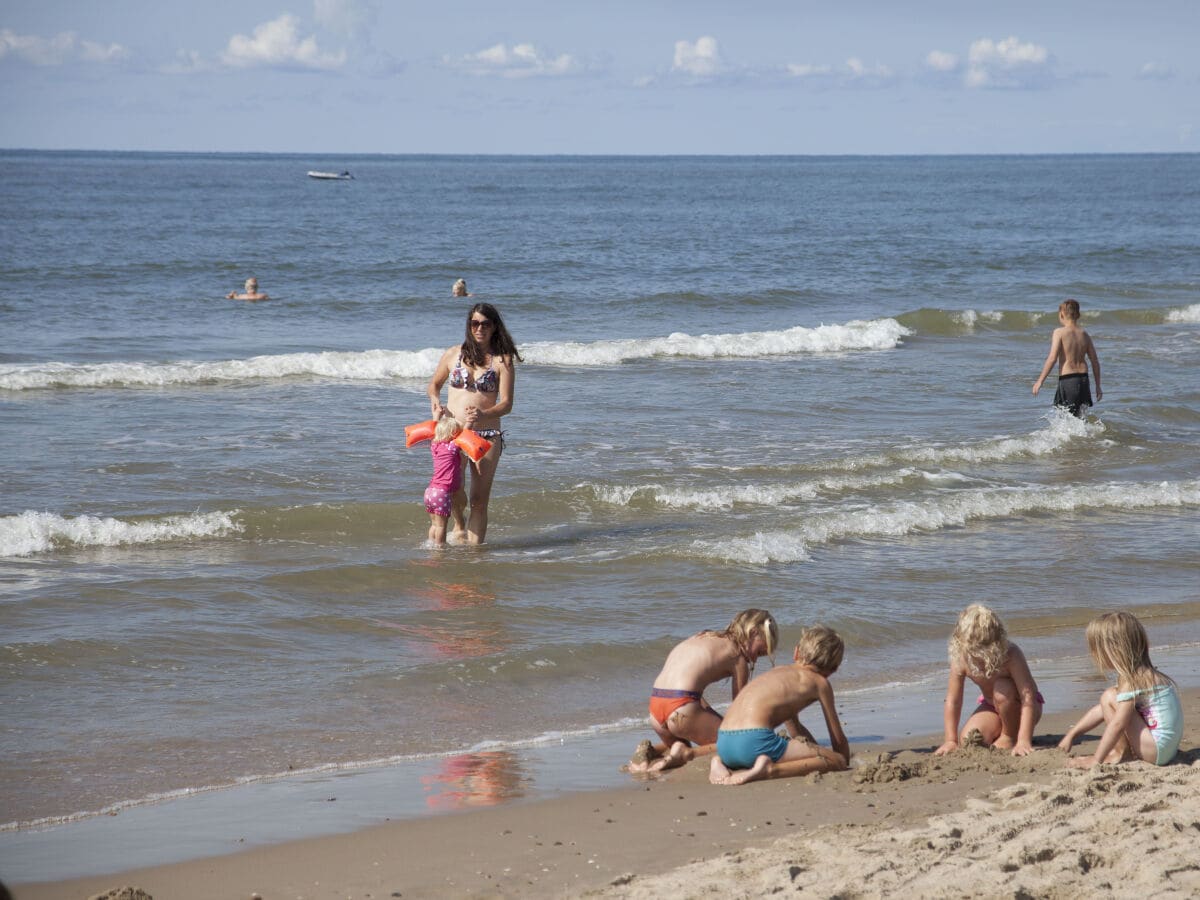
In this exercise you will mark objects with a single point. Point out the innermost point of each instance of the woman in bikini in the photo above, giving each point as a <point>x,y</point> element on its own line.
<point>481,375</point>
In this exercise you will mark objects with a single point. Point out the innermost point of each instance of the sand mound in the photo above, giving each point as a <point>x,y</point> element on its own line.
<point>1118,831</point>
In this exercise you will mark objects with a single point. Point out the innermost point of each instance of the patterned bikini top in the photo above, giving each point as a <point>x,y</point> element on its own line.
<point>462,377</point>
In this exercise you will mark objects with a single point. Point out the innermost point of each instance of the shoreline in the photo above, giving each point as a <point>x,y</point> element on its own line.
<point>620,836</point>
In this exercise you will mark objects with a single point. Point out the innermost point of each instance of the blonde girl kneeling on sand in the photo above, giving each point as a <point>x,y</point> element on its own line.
<point>1009,704</point>
<point>679,714</point>
<point>1142,714</point>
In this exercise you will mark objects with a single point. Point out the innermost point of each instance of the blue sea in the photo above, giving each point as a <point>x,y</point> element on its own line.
<point>796,383</point>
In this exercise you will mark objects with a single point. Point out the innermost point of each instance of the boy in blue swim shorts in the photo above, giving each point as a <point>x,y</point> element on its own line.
<point>749,749</point>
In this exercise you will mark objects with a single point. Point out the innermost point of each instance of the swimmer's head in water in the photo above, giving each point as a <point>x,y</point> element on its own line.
<point>754,623</point>
<point>460,288</point>
<point>251,285</point>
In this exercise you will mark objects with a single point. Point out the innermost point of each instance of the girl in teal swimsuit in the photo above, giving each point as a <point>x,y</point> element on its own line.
<point>1142,715</point>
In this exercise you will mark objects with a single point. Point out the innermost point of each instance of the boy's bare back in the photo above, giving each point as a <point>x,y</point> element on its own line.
<point>1074,347</point>
<point>775,696</point>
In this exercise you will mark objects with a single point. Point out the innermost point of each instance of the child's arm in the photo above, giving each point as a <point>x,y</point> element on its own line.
<point>741,675</point>
<point>796,730</point>
<point>1018,670</point>
<point>1095,361</point>
<point>1089,720</point>
<point>1055,350</point>
<point>951,710</point>
<point>837,737</point>
<point>1113,732</point>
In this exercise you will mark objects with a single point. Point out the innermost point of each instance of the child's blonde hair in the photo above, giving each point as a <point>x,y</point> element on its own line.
<point>820,647</point>
<point>979,639</point>
<point>749,622</point>
<point>447,428</point>
<point>1070,309</point>
<point>1118,643</point>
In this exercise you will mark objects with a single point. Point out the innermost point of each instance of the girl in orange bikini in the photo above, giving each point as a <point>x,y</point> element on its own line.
<point>679,714</point>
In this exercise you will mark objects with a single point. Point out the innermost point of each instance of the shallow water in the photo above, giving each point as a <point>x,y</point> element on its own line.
<point>794,383</point>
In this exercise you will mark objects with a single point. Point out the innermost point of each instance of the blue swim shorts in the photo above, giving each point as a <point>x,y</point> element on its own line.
<point>740,747</point>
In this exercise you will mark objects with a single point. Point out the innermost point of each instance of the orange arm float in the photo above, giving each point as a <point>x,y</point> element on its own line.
<point>467,441</point>
<point>473,445</point>
<point>422,431</point>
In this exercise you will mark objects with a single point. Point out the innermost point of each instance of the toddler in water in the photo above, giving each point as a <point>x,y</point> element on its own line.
<point>679,714</point>
<point>1009,703</point>
<point>748,747</point>
<point>1142,714</point>
<point>447,476</point>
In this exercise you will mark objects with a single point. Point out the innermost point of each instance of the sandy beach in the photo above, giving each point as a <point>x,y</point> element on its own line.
<point>978,822</point>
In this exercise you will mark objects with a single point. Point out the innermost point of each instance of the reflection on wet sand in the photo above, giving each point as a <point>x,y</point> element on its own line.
<point>475,779</point>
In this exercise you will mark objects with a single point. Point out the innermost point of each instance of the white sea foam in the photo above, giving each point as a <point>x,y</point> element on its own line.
<point>1188,314</point>
<point>879,334</point>
<point>368,365</point>
<point>940,512</point>
<point>376,365</point>
<point>1060,431</point>
<point>749,494</point>
<point>37,532</point>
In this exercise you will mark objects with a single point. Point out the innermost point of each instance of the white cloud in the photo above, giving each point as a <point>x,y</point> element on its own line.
<point>1008,64</point>
<point>1156,71</point>
<point>65,47</point>
<point>348,18</point>
<point>940,61</point>
<point>808,70</point>
<point>854,73</point>
<point>517,61</point>
<point>701,59</point>
<point>276,44</point>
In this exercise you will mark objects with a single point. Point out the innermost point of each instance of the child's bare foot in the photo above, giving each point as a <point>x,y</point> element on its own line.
<point>718,772</point>
<point>754,773</point>
<point>642,757</point>
<point>676,756</point>
<point>973,738</point>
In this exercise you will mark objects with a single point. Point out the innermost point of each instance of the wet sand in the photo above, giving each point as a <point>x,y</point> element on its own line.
<point>978,822</point>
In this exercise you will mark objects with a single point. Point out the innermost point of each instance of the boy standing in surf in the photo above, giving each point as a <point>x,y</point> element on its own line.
<point>748,749</point>
<point>1071,347</point>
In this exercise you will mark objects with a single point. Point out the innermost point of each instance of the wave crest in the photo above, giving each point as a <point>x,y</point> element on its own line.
<point>37,532</point>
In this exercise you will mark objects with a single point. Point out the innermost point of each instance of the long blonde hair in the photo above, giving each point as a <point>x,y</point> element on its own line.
<point>746,624</point>
<point>1118,643</point>
<point>979,638</point>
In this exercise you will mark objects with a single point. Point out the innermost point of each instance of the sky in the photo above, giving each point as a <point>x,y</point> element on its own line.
<point>602,76</point>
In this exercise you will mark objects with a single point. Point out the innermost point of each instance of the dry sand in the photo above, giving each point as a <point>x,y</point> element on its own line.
<point>978,823</point>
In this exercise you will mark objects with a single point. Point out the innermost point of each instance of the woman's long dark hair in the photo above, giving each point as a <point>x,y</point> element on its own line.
<point>473,352</point>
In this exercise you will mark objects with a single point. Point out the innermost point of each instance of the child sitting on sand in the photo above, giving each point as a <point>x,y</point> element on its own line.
<point>1009,704</point>
<point>748,748</point>
<point>679,714</point>
<point>447,476</point>
<point>1142,714</point>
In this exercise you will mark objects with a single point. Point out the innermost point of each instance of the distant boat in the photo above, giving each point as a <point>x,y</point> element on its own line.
<point>331,176</point>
